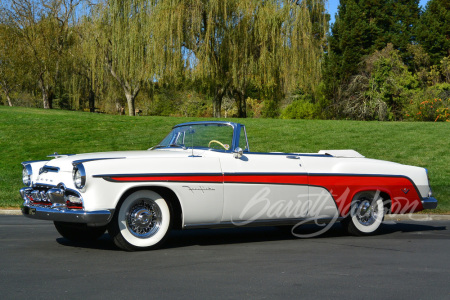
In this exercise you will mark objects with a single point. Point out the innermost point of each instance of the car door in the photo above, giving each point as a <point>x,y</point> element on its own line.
<point>264,186</point>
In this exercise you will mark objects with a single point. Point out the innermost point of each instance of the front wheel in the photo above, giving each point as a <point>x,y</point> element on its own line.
<point>366,214</point>
<point>77,232</point>
<point>142,221</point>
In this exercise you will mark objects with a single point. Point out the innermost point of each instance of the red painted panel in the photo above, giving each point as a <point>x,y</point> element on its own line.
<point>342,187</point>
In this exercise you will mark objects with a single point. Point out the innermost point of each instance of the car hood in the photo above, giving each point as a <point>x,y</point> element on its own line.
<point>65,162</point>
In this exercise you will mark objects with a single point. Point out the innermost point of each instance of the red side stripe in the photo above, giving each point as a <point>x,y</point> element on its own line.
<point>281,179</point>
<point>214,178</point>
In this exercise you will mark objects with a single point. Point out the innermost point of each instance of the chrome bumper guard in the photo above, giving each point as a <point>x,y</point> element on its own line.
<point>429,203</point>
<point>55,208</point>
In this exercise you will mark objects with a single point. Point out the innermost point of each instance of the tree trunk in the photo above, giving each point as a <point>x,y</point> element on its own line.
<point>91,100</point>
<point>217,105</point>
<point>130,101</point>
<point>131,97</point>
<point>9,100</point>
<point>241,102</point>
<point>47,98</point>
<point>130,93</point>
<point>217,101</point>
<point>6,91</point>
<point>47,95</point>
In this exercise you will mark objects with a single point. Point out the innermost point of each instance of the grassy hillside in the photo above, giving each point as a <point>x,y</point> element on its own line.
<point>32,134</point>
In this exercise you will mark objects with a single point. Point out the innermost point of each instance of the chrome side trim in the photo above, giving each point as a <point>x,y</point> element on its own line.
<point>257,223</point>
<point>91,218</point>
<point>77,162</point>
<point>429,203</point>
<point>32,161</point>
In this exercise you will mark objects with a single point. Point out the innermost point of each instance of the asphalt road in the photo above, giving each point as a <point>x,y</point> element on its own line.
<point>407,260</point>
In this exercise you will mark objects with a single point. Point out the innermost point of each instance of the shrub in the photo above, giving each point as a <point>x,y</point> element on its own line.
<point>301,108</point>
<point>254,108</point>
<point>435,107</point>
<point>270,109</point>
<point>435,110</point>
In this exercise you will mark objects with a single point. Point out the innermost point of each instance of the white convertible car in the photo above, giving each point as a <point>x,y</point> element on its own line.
<point>203,174</point>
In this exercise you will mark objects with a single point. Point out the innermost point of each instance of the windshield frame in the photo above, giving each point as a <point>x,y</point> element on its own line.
<point>234,143</point>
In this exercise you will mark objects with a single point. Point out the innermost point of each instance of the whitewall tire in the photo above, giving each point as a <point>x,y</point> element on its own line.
<point>366,214</point>
<point>141,222</point>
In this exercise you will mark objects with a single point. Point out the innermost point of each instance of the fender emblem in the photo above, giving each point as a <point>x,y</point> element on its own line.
<point>199,188</point>
<point>405,190</point>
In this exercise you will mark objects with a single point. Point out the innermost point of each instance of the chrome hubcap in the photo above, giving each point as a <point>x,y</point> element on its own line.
<point>366,212</point>
<point>144,218</point>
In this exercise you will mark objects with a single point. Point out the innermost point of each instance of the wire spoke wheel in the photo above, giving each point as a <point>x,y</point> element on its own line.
<point>141,222</point>
<point>366,214</point>
<point>144,218</point>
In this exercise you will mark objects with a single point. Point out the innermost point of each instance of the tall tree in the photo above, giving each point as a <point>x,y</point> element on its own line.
<point>433,30</point>
<point>84,63</point>
<point>123,40</point>
<point>268,44</point>
<point>12,61</point>
<point>43,28</point>
<point>361,28</point>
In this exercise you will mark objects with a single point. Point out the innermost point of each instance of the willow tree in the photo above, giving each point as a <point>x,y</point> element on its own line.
<point>11,61</point>
<point>233,44</point>
<point>43,29</point>
<point>84,65</point>
<point>121,40</point>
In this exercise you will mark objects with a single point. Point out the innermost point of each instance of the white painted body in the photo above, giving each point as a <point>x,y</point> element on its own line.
<point>212,203</point>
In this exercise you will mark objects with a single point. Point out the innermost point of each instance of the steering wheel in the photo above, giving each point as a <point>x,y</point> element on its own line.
<point>225,146</point>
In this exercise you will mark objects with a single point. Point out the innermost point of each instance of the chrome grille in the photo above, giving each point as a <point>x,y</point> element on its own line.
<point>40,196</point>
<point>56,197</point>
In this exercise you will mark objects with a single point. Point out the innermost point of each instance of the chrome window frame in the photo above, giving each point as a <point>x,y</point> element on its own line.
<point>236,132</point>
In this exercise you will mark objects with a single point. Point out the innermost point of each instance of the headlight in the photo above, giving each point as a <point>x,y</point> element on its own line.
<point>26,175</point>
<point>79,176</point>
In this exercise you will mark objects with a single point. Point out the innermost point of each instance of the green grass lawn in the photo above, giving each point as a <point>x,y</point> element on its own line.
<point>32,134</point>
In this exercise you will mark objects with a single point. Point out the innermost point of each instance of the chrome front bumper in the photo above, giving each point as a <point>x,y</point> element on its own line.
<point>91,218</point>
<point>429,203</point>
<point>53,203</point>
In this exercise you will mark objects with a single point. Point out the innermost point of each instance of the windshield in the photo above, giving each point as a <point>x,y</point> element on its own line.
<point>204,136</point>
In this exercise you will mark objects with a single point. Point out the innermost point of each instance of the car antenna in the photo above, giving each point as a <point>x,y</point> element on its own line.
<point>192,139</point>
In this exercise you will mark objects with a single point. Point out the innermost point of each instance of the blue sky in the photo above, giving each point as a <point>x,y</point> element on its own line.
<point>333,4</point>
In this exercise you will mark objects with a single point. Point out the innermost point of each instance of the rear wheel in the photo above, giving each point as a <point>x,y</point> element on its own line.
<point>77,232</point>
<point>142,221</point>
<point>366,214</point>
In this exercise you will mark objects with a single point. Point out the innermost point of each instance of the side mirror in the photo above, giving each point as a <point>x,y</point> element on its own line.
<point>238,152</point>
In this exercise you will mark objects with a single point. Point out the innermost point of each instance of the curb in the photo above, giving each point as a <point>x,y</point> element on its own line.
<point>406,217</point>
<point>10,212</point>
<point>417,217</point>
